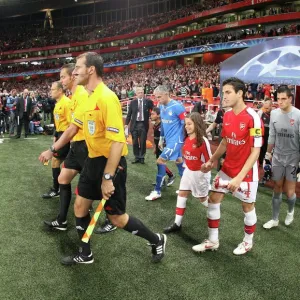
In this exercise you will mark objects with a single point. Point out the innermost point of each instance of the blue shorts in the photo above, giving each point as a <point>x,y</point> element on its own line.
<point>172,152</point>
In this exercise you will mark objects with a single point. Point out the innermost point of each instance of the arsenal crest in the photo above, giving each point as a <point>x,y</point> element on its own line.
<point>57,117</point>
<point>242,126</point>
<point>91,127</point>
<point>292,122</point>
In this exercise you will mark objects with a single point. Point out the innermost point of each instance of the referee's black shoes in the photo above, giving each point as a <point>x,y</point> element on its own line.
<point>159,250</point>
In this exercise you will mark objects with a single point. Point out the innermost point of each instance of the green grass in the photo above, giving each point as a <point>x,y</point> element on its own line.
<point>30,255</point>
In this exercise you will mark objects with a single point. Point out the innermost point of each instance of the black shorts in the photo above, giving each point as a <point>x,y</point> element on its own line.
<point>158,152</point>
<point>76,156</point>
<point>62,153</point>
<point>89,185</point>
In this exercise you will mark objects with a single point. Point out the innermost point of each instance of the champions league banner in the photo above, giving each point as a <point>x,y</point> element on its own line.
<point>275,61</point>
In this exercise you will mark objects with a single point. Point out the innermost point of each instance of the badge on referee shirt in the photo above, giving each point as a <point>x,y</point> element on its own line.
<point>91,127</point>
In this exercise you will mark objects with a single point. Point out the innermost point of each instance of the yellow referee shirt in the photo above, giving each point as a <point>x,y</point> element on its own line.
<point>80,96</point>
<point>62,114</point>
<point>102,122</point>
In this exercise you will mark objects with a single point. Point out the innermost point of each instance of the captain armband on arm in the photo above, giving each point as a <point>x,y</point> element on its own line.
<point>256,132</point>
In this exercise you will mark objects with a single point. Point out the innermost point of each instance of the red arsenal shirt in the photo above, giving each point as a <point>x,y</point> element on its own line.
<point>242,132</point>
<point>195,156</point>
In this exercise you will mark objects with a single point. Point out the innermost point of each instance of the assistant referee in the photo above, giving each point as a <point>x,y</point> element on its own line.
<point>78,153</point>
<point>62,118</point>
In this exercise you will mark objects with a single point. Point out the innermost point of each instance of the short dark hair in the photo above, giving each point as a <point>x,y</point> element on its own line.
<point>156,109</point>
<point>69,67</point>
<point>237,84</point>
<point>285,89</point>
<point>59,85</point>
<point>93,59</point>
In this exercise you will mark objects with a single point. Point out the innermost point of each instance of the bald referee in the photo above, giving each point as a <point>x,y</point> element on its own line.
<point>284,141</point>
<point>105,170</point>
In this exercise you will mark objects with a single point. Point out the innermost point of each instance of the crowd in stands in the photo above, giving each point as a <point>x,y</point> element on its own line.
<point>40,86</point>
<point>199,41</point>
<point>179,78</point>
<point>205,40</point>
<point>183,82</point>
<point>19,68</point>
<point>12,38</point>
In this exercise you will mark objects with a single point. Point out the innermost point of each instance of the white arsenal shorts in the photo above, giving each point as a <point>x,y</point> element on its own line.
<point>247,191</point>
<point>195,181</point>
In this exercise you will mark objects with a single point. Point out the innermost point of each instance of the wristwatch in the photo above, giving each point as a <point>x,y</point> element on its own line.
<point>107,176</point>
<point>52,149</point>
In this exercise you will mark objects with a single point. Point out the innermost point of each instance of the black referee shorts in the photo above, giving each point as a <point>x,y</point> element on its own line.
<point>63,152</point>
<point>89,185</point>
<point>76,156</point>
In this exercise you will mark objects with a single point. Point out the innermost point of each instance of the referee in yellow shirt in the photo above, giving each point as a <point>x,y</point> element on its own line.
<point>78,153</point>
<point>62,118</point>
<point>105,170</point>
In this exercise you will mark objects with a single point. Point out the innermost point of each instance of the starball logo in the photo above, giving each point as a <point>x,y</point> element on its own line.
<point>233,140</point>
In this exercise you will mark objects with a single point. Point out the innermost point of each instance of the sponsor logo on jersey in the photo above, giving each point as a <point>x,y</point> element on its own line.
<point>165,121</point>
<point>187,155</point>
<point>234,141</point>
<point>91,127</point>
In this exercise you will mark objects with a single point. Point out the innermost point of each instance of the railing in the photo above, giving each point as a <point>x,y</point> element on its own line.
<point>189,102</point>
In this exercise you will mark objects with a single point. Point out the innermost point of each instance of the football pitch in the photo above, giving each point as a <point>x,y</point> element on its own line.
<point>30,255</point>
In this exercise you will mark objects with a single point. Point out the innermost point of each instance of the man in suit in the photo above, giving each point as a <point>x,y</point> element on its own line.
<point>138,116</point>
<point>23,110</point>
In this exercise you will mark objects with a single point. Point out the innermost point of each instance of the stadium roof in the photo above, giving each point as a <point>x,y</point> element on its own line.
<point>14,8</point>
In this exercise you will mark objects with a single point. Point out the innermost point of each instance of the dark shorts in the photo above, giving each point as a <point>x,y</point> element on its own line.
<point>62,153</point>
<point>76,156</point>
<point>89,185</point>
<point>157,150</point>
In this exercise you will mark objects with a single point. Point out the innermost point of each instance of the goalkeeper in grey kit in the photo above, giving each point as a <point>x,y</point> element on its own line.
<point>284,142</point>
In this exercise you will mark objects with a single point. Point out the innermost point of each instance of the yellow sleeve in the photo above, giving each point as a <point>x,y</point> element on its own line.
<point>78,118</point>
<point>68,110</point>
<point>113,119</point>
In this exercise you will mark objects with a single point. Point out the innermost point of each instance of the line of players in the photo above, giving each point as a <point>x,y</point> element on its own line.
<point>242,138</point>
<point>96,115</point>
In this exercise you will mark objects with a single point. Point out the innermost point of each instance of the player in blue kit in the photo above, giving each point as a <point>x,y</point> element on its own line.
<point>172,118</point>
